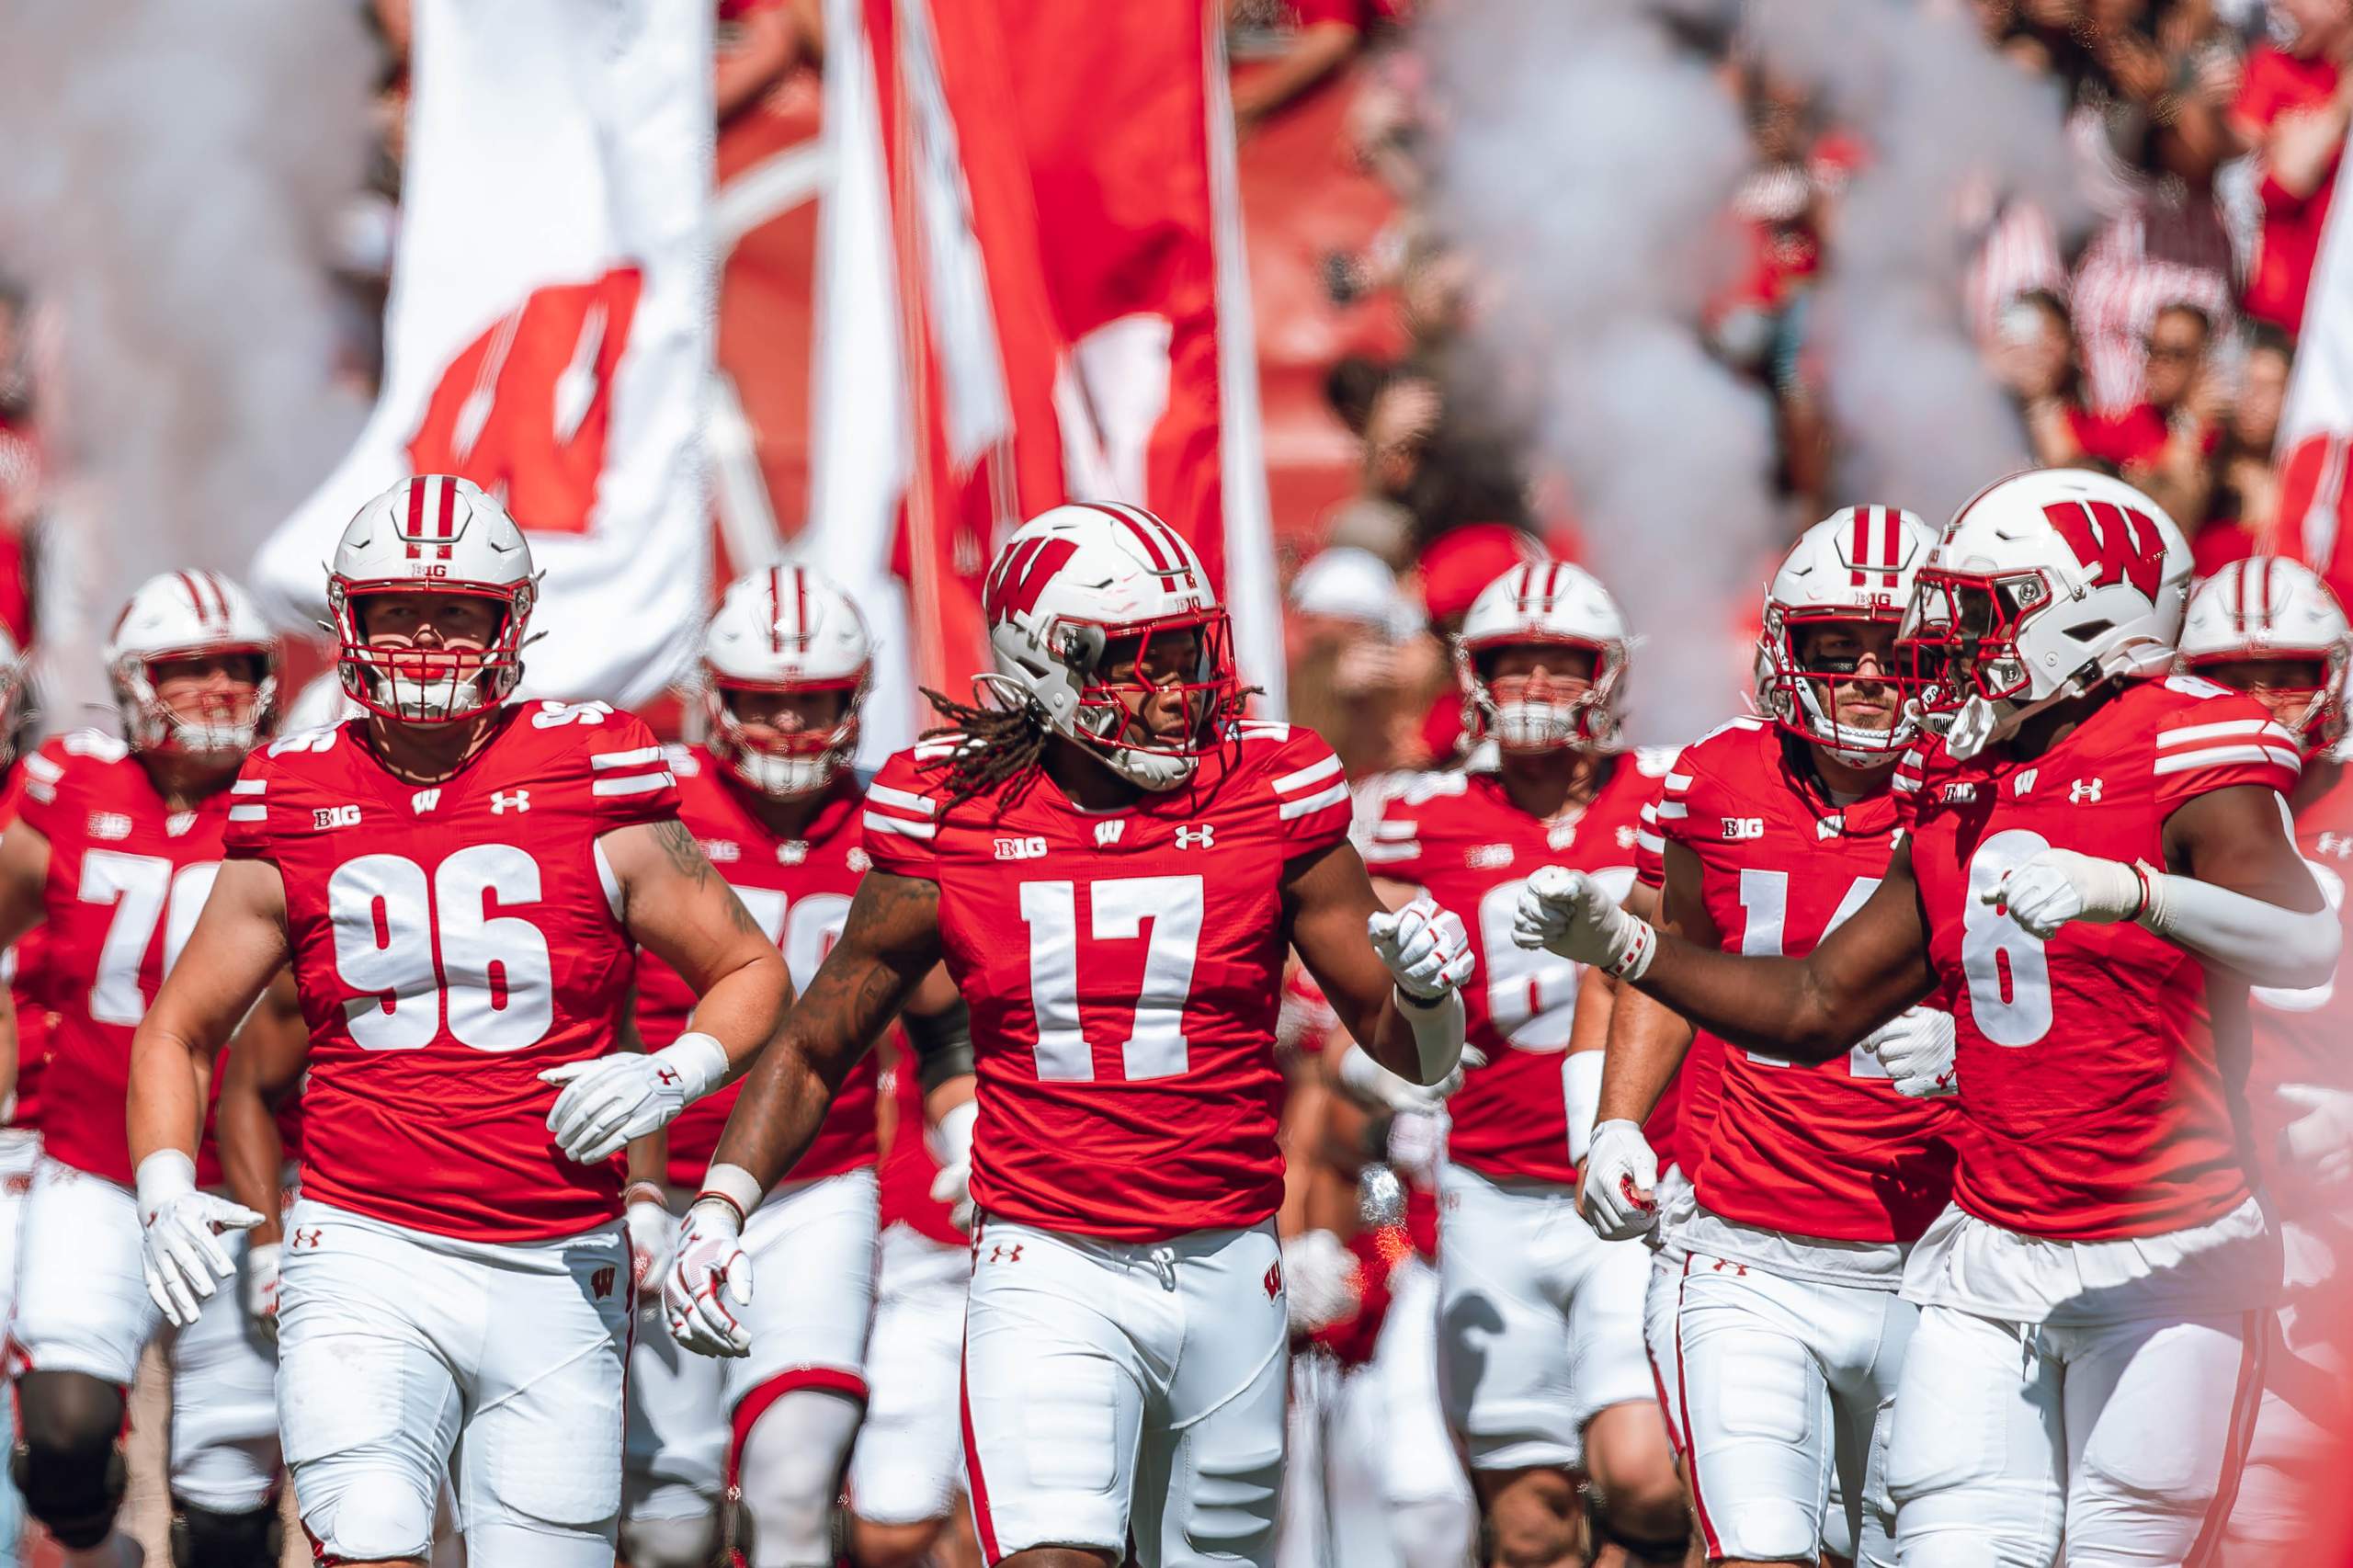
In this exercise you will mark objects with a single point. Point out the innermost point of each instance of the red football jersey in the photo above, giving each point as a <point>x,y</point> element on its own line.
<point>909,1165</point>
<point>451,943</point>
<point>2300,1035</point>
<point>1123,971</point>
<point>127,876</point>
<point>2098,1084</point>
<point>1829,1150</point>
<point>1462,839</point>
<point>35,1022</point>
<point>799,890</point>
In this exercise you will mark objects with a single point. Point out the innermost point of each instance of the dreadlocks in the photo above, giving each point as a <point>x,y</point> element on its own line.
<point>993,745</point>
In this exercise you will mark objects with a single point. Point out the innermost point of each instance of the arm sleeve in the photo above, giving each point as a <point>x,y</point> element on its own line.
<point>2215,745</point>
<point>247,835</point>
<point>629,779</point>
<point>902,819</point>
<point>1310,793</point>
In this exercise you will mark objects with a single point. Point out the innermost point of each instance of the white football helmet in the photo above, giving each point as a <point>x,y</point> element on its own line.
<point>1075,579</point>
<point>1550,604</point>
<point>785,629</point>
<point>2264,609</point>
<point>1854,564</point>
<point>439,535</point>
<point>2044,587</point>
<point>183,615</point>
<point>15,715</point>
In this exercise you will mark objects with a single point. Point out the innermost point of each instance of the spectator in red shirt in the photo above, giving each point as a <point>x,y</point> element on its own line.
<point>1326,35</point>
<point>2247,488</point>
<point>2291,112</point>
<point>2165,443</point>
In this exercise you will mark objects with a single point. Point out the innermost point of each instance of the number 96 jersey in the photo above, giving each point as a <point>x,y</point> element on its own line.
<point>1122,968</point>
<point>2098,1074</point>
<point>450,943</point>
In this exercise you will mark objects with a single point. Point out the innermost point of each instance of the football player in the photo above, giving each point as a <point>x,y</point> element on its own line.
<point>1789,1333</point>
<point>2084,837</point>
<point>2272,628</point>
<point>458,882</point>
<point>1541,1359</point>
<point>24,1040</point>
<point>118,842</point>
<point>771,796</point>
<point>1111,861</point>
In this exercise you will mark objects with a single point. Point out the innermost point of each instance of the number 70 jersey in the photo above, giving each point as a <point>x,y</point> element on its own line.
<point>1122,971</point>
<point>450,944</point>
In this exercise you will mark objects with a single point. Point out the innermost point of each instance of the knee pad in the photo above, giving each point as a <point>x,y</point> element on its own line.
<point>678,1541</point>
<point>202,1538</point>
<point>69,1462</point>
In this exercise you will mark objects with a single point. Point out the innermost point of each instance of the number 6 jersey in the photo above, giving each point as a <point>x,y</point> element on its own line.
<point>451,942</point>
<point>1122,970</point>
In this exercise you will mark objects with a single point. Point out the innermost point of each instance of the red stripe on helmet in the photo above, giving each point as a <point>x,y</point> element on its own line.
<point>776,610</point>
<point>2238,600</point>
<point>2271,607</point>
<point>1892,536</point>
<point>194,596</point>
<point>445,522</point>
<point>1151,545</point>
<point>1860,546</point>
<point>800,604</point>
<point>415,529</point>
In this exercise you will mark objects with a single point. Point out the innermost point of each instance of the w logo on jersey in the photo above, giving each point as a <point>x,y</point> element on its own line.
<point>2120,544</point>
<point>1013,588</point>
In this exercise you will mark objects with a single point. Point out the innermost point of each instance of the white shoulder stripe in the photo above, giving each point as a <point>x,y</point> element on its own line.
<point>906,800</point>
<point>249,786</point>
<point>1382,854</point>
<point>636,784</point>
<point>2267,728</point>
<point>2217,756</point>
<point>1906,783</point>
<point>1337,795</point>
<point>1271,729</point>
<point>901,826</point>
<point>1678,781</point>
<point>248,813</point>
<point>1313,773</point>
<point>626,759</point>
<point>1395,829</point>
<point>1652,841</point>
<point>1669,811</point>
<point>40,789</point>
<point>41,767</point>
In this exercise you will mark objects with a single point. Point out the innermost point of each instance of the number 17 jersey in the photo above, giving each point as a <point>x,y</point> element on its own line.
<point>1122,970</point>
<point>450,943</point>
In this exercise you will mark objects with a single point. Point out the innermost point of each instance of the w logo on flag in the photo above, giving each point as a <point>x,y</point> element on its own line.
<point>2121,545</point>
<point>1013,588</point>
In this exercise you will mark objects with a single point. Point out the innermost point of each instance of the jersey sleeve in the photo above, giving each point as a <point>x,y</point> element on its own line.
<point>247,835</point>
<point>2221,741</point>
<point>1670,812</point>
<point>1392,844</point>
<point>44,780</point>
<point>1310,793</point>
<point>902,814</point>
<point>1650,844</point>
<point>629,779</point>
<point>1905,787</point>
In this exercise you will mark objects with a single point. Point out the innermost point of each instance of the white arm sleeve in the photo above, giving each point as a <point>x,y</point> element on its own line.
<point>1438,1032</point>
<point>1581,1085</point>
<point>2269,945</point>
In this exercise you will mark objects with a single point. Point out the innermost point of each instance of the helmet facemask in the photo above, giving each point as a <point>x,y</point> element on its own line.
<point>2314,710</point>
<point>206,726</point>
<point>783,763</point>
<point>1541,711</point>
<point>1110,719</point>
<point>1802,692</point>
<point>428,685</point>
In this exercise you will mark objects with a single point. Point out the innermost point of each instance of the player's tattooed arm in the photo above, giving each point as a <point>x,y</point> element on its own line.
<point>675,906</point>
<point>1328,898</point>
<point>1644,1039</point>
<point>888,943</point>
<point>238,944</point>
<point>1813,1008</point>
<point>263,1069</point>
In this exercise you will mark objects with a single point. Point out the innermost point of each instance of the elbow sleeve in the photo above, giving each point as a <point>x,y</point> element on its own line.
<point>943,1044</point>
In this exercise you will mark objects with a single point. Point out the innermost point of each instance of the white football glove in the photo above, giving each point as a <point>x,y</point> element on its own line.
<point>653,1236</point>
<point>257,1287</point>
<point>709,1270</point>
<point>611,1099</point>
<point>180,1250</point>
<point>951,1141</point>
<point>1616,1189</point>
<point>1425,947</point>
<point>2321,1139</point>
<point>2055,886</point>
<point>1321,1280</point>
<point>1377,1088</point>
<point>1916,1047</point>
<point>1570,914</point>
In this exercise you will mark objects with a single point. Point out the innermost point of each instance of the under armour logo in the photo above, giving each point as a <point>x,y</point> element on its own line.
<point>1000,1253</point>
<point>1274,1280</point>
<point>1739,1269</point>
<point>1107,834</point>
<point>500,800</point>
<point>602,1282</point>
<point>306,1239</point>
<point>2080,791</point>
<point>665,1076</point>
<point>1201,838</point>
<point>2338,844</point>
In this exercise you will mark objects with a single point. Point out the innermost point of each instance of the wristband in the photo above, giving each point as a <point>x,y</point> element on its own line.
<point>162,1175</point>
<point>645,1192</point>
<point>699,1060</point>
<point>1638,944</point>
<point>732,1186</point>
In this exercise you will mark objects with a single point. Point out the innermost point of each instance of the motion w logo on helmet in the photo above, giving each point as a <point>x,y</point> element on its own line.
<point>2120,544</point>
<point>1013,588</point>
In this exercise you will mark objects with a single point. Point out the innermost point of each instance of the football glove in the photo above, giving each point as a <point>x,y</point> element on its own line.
<point>652,1233</point>
<point>708,1271</point>
<point>1425,947</point>
<point>257,1287</point>
<point>1615,1189</point>
<point>180,1250</point>
<point>2320,1141</point>
<point>2055,886</point>
<point>1570,914</point>
<point>1916,1047</point>
<point>1321,1280</point>
<point>611,1099</point>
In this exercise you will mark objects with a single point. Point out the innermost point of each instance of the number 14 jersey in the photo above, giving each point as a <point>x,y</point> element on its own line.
<point>1122,970</point>
<point>450,943</point>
